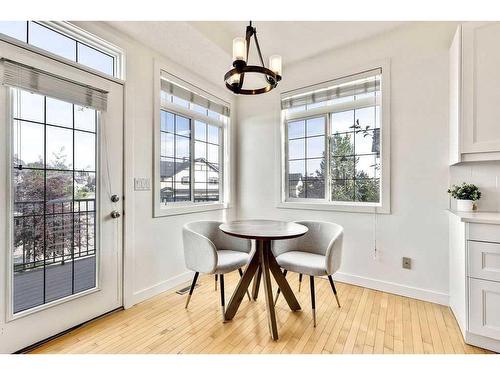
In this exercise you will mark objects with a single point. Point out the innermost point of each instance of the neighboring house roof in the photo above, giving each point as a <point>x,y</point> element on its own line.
<point>168,168</point>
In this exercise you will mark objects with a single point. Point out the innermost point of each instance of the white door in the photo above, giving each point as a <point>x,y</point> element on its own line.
<point>61,251</point>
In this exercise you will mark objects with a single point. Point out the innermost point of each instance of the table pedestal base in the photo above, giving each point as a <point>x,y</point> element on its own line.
<point>262,265</point>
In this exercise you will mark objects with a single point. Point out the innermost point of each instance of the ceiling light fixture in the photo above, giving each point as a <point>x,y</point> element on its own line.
<point>235,77</point>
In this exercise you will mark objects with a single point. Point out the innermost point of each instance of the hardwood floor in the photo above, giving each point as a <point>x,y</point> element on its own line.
<point>369,321</point>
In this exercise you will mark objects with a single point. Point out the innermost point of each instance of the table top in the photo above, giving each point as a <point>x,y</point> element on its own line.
<point>263,229</point>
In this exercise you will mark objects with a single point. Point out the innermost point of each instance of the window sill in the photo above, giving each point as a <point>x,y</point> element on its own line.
<point>188,209</point>
<point>327,206</point>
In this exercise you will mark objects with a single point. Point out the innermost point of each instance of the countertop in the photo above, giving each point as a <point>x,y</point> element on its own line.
<point>481,217</point>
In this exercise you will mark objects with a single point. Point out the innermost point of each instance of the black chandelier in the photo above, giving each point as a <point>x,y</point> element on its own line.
<point>234,78</point>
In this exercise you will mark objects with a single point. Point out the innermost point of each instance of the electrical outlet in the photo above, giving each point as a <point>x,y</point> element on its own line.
<point>407,263</point>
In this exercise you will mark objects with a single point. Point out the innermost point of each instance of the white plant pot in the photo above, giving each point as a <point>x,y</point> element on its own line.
<point>465,205</point>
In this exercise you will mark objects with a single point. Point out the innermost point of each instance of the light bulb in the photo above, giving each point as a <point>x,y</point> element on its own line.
<point>234,79</point>
<point>239,49</point>
<point>275,64</point>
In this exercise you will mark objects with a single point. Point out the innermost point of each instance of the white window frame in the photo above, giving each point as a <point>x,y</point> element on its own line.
<point>74,32</point>
<point>324,204</point>
<point>178,208</point>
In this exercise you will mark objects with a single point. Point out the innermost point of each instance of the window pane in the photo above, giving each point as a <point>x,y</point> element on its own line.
<point>199,109</point>
<point>315,188</point>
<point>296,169</point>
<point>85,118</point>
<point>296,129</point>
<point>200,192</point>
<point>315,147</point>
<point>366,142</point>
<point>365,118</point>
<point>28,144</point>
<point>316,126</point>
<point>179,101</point>
<point>213,154</point>
<point>342,190</point>
<point>28,191</point>
<point>342,122</point>
<point>296,189</point>
<point>296,149</point>
<point>342,144</point>
<point>181,147</point>
<point>28,106</point>
<point>167,121</point>
<point>95,59</point>
<point>14,29</point>
<point>59,113</point>
<point>213,134</point>
<point>201,172</point>
<point>59,148</point>
<point>368,190</point>
<point>342,167</point>
<point>200,150</point>
<point>85,154</point>
<point>59,191</point>
<point>367,166</point>
<point>182,126</point>
<point>315,168</point>
<point>167,144</point>
<point>52,41</point>
<point>200,131</point>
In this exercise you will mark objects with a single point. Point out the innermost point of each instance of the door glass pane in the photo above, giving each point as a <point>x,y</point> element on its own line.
<point>54,200</point>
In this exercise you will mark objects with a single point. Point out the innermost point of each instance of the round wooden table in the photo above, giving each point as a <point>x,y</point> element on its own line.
<point>263,264</point>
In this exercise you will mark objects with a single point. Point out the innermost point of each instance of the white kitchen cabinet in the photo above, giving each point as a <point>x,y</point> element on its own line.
<point>475,276</point>
<point>475,93</point>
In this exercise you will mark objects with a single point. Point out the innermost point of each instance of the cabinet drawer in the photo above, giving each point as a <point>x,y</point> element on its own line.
<point>484,232</point>
<point>484,308</point>
<point>484,260</point>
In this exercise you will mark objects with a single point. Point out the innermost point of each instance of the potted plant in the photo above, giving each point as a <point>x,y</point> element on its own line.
<point>466,196</point>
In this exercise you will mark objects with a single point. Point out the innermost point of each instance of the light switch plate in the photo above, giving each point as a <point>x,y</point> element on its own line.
<point>142,184</point>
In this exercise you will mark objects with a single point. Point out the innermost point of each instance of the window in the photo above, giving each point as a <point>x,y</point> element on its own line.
<point>191,147</point>
<point>333,144</point>
<point>67,41</point>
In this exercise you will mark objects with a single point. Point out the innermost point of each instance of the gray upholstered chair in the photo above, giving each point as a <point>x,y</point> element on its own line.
<point>317,253</point>
<point>208,250</point>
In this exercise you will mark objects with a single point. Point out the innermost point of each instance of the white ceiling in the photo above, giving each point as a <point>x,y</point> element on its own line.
<point>206,46</point>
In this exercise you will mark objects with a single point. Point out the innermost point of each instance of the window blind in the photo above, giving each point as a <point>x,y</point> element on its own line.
<point>184,90</point>
<point>357,84</point>
<point>15,74</point>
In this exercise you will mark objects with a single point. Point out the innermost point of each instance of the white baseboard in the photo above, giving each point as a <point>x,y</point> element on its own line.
<point>161,287</point>
<point>394,288</point>
<point>482,342</point>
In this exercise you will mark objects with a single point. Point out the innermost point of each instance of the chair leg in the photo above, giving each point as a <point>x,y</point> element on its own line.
<point>222,301</point>
<point>241,275</point>
<point>334,290</point>
<point>215,282</point>
<point>313,299</point>
<point>195,278</point>
<point>300,280</point>
<point>279,291</point>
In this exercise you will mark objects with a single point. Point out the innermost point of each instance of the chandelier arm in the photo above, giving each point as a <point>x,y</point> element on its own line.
<point>258,49</point>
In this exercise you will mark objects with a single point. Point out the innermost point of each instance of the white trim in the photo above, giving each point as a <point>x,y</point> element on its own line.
<point>394,288</point>
<point>482,341</point>
<point>384,206</point>
<point>162,286</point>
<point>180,208</point>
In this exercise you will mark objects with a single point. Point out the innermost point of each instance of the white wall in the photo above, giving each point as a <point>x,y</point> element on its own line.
<point>417,226</point>
<point>153,251</point>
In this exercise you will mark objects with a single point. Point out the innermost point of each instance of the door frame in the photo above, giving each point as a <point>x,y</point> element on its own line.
<point>123,291</point>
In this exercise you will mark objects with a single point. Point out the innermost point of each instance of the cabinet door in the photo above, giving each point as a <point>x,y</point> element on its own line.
<point>484,305</point>
<point>481,87</point>
<point>484,260</point>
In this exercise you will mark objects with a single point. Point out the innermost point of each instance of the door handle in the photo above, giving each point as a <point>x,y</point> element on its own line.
<point>115,214</point>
